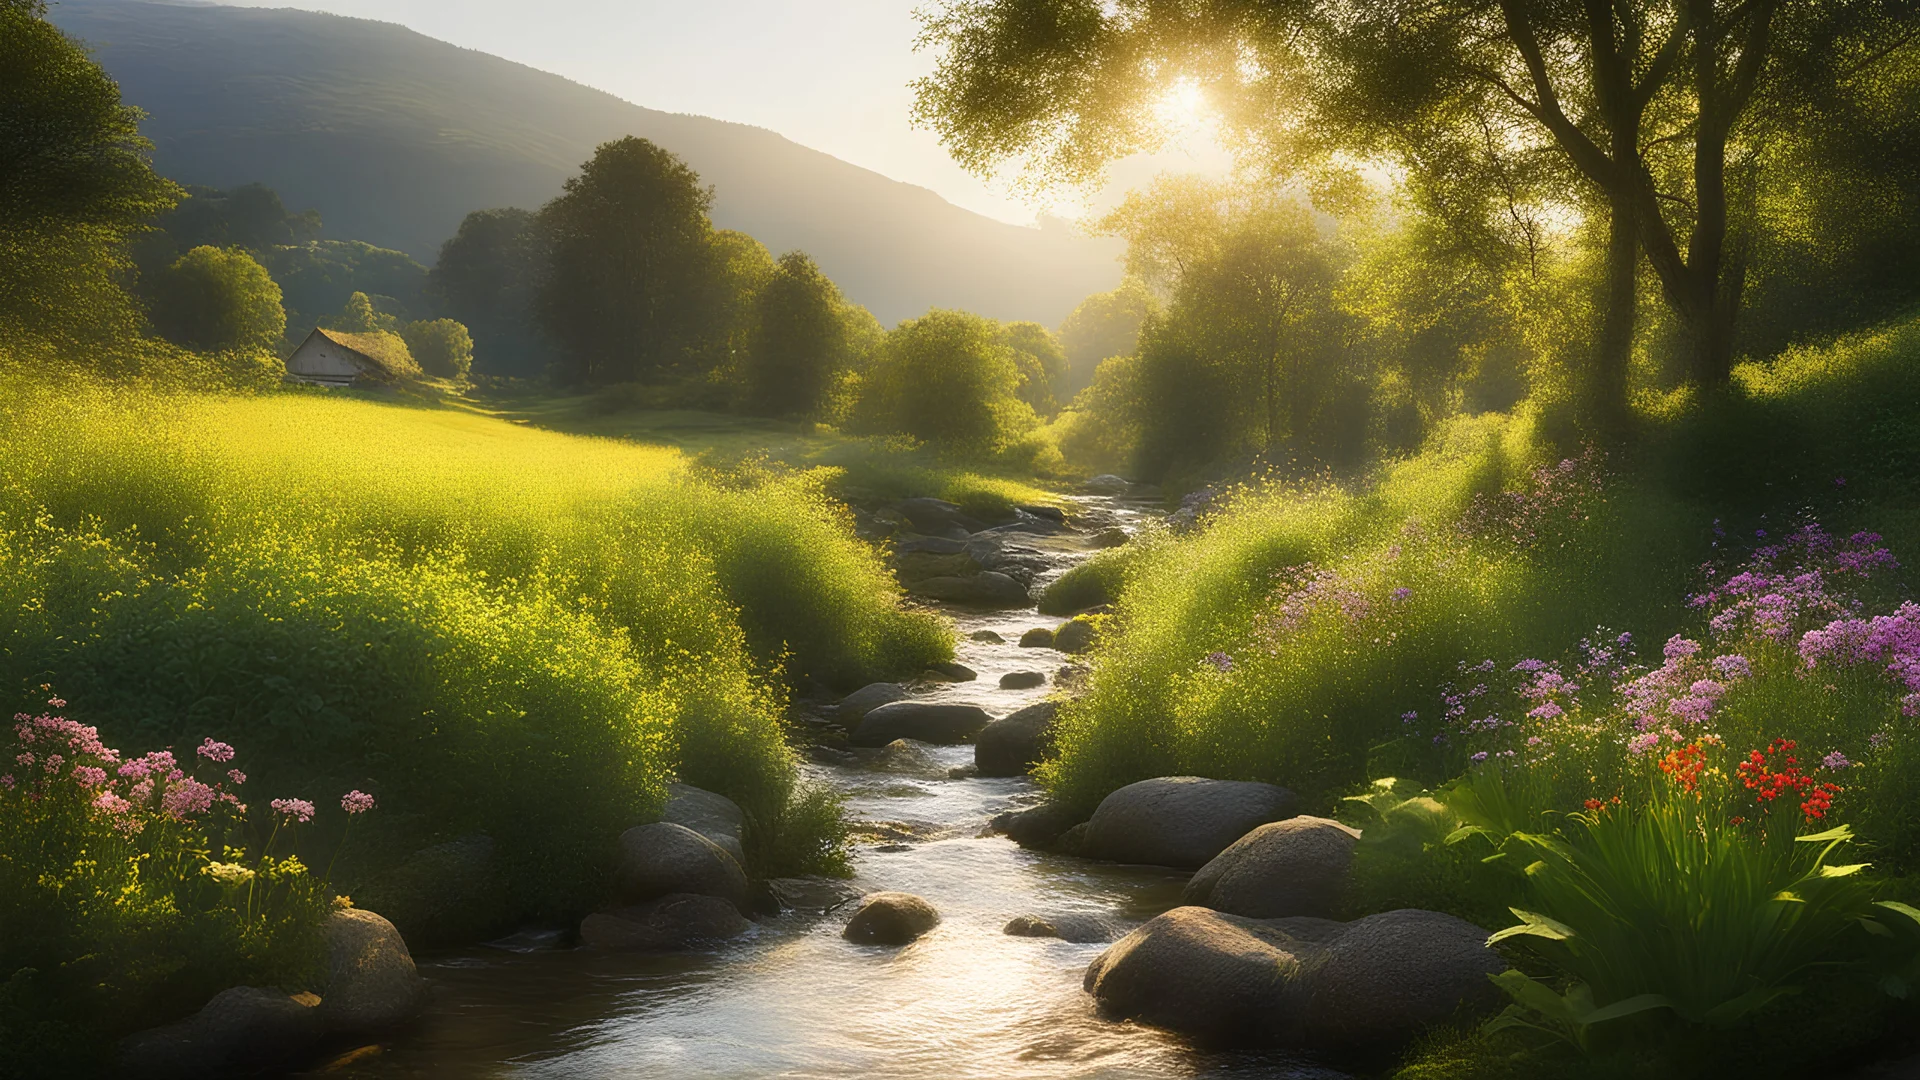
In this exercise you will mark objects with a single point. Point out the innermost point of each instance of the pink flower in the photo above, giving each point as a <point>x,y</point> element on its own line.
<point>184,798</point>
<point>356,802</point>
<point>236,776</point>
<point>7,781</point>
<point>141,790</point>
<point>58,703</point>
<point>1640,744</point>
<point>89,776</point>
<point>109,803</point>
<point>299,809</point>
<point>215,751</point>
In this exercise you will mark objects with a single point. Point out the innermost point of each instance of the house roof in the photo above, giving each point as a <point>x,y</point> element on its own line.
<point>385,352</point>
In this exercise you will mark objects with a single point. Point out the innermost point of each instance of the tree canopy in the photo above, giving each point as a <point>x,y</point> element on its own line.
<point>218,299</point>
<point>632,273</point>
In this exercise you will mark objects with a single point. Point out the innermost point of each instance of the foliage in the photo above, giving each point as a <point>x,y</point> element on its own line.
<point>946,379</point>
<point>250,217</point>
<point>74,185</point>
<point>442,346</point>
<point>632,278</point>
<point>485,278</point>
<point>218,300</point>
<point>321,277</point>
<point>799,343</point>
<point>1104,325</point>
<point>1042,364</point>
<point>507,630</point>
<point>135,888</point>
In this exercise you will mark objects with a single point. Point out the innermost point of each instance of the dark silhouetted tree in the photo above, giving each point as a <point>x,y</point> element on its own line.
<point>218,299</point>
<point>630,286</point>
<point>799,341</point>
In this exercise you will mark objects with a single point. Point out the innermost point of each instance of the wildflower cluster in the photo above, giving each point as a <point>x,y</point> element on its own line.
<point>1789,587</point>
<point>1890,639</point>
<point>1551,497</point>
<point>1302,593</point>
<point>55,756</point>
<point>1685,689</point>
<point>1684,765</point>
<point>1775,771</point>
<point>1494,713</point>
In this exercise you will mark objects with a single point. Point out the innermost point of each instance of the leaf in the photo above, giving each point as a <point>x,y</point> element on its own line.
<point>1901,909</point>
<point>1533,924</point>
<point>1638,1003</point>
<point>1729,1011</point>
<point>1532,994</point>
<point>1843,871</point>
<point>1385,783</point>
<point>1838,832</point>
<point>1467,832</point>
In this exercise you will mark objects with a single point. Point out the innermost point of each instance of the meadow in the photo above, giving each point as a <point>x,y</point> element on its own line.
<point>493,628</point>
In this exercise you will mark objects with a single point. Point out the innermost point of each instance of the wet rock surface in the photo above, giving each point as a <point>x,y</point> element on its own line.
<point>922,721</point>
<point>890,918</point>
<point>663,858</point>
<point>675,923</point>
<point>1293,867</point>
<point>1180,821</point>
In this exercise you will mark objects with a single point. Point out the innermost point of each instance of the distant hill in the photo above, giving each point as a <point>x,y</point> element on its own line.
<point>393,137</point>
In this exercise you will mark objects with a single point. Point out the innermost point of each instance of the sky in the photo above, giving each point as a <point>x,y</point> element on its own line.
<point>829,74</point>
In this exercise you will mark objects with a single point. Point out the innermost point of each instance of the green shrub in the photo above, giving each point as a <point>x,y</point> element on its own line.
<point>946,379</point>
<point>442,346</point>
<point>218,300</point>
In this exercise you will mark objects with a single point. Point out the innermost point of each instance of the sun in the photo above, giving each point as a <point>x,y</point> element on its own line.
<point>1182,105</point>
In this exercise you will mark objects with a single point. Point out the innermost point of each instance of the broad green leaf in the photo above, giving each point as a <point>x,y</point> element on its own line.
<point>1467,832</point>
<point>1900,908</point>
<point>1533,924</point>
<point>1639,1003</point>
<point>1530,993</point>
<point>1843,871</point>
<point>1838,832</point>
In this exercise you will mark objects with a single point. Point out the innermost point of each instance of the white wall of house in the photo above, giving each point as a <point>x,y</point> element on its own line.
<point>323,361</point>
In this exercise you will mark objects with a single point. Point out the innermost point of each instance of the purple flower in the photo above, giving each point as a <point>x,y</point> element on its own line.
<point>215,751</point>
<point>1839,481</point>
<point>184,798</point>
<point>1877,740</point>
<point>1640,744</point>
<point>1679,648</point>
<point>1220,661</point>
<point>356,802</point>
<point>1409,717</point>
<point>1546,712</point>
<point>299,809</point>
<point>89,776</point>
<point>7,781</point>
<point>1732,666</point>
<point>1401,593</point>
<point>1481,756</point>
<point>1836,761</point>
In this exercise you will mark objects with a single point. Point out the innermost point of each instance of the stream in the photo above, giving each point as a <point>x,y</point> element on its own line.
<point>792,999</point>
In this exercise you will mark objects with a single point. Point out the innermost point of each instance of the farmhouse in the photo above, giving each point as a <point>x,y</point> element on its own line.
<point>336,358</point>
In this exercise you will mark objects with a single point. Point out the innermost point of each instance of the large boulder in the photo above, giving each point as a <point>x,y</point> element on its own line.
<point>1293,867</point>
<point>855,706</point>
<point>371,980</point>
<point>989,589</point>
<point>676,923</point>
<point>923,721</point>
<point>1075,636</point>
<point>715,817</point>
<point>450,892</point>
<point>242,1031</point>
<point>1180,821</point>
<point>1037,827</point>
<point>1040,637</point>
<point>662,858</point>
<point>921,565</point>
<point>1022,680</point>
<point>936,517</point>
<point>1013,744</point>
<point>1300,982</point>
<point>890,918</point>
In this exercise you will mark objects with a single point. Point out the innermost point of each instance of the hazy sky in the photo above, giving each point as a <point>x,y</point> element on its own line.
<point>830,74</point>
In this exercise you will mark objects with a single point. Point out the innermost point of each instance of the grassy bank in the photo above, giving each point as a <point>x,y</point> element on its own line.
<point>1337,611</point>
<point>492,628</point>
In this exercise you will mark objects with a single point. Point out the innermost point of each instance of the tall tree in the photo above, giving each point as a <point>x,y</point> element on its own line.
<point>1646,104</point>
<point>798,342</point>
<point>1104,325</point>
<point>1042,363</point>
<point>486,278</point>
<point>632,269</point>
<point>74,183</point>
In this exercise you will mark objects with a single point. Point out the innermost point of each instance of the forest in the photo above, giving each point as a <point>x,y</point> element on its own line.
<point>1444,613</point>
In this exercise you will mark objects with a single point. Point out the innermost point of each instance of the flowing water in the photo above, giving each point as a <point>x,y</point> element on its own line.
<point>793,999</point>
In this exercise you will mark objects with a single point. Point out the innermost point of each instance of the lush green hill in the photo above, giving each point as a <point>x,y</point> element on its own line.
<point>394,137</point>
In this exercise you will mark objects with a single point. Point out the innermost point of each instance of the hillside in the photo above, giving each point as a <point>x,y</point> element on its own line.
<point>394,137</point>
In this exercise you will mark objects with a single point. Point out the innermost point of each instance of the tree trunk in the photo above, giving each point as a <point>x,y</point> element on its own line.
<point>1606,389</point>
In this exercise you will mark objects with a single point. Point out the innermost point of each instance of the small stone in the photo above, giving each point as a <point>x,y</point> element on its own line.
<point>987,636</point>
<point>855,706</point>
<point>1022,680</point>
<point>1075,636</point>
<point>890,918</point>
<point>952,672</point>
<point>1079,929</point>
<point>1039,637</point>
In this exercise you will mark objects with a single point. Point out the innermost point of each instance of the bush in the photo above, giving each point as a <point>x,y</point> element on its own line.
<point>946,379</point>
<point>218,300</point>
<point>492,628</point>
<point>442,347</point>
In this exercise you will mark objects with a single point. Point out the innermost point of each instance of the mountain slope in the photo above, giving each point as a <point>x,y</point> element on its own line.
<point>394,137</point>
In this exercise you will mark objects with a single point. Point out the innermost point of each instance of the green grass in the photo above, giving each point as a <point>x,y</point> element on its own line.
<point>1317,706</point>
<point>492,627</point>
